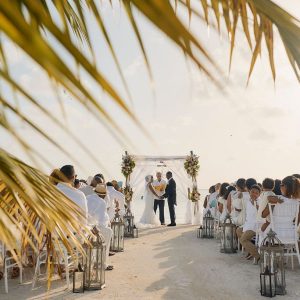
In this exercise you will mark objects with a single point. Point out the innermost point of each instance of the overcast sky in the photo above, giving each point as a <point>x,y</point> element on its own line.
<point>240,132</point>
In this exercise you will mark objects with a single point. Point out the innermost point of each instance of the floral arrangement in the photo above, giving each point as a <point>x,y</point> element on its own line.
<point>192,165</point>
<point>128,194</point>
<point>194,196</point>
<point>128,165</point>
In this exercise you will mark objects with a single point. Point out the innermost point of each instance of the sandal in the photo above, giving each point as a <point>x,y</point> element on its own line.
<point>109,268</point>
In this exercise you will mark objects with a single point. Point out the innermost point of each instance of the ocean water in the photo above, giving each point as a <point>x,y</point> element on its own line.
<point>138,207</point>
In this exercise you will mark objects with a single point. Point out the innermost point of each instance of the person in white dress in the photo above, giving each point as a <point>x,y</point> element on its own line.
<point>149,219</point>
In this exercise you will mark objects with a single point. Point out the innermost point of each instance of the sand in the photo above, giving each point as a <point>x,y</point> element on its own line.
<point>169,263</point>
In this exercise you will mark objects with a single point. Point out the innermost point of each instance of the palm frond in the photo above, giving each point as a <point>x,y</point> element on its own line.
<point>27,199</point>
<point>25,194</point>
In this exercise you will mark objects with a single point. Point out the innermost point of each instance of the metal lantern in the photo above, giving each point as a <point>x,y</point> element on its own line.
<point>130,229</point>
<point>117,226</point>
<point>228,236</point>
<point>78,280</point>
<point>267,283</point>
<point>272,262</point>
<point>135,232</point>
<point>207,228</point>
<point>94,262</point>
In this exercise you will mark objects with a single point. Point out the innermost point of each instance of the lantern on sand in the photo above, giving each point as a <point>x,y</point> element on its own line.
<point>206,230</point>
<point>117,226</point>
<point>130,229</point>
<point>228,236</point>
<point>272,272</point>
<point>94,261</point>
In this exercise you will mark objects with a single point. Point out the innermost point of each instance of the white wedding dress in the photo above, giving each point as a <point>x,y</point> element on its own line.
<point>148,219</point>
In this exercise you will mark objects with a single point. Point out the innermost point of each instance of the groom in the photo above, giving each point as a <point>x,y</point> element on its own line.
<point>171,195</point>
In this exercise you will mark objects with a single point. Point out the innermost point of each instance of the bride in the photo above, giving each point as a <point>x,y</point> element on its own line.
<point>149,219</point>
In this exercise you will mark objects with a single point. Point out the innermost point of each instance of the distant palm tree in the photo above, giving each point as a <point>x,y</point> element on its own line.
<point>25,194</point>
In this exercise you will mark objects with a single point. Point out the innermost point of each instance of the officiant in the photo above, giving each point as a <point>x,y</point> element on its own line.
<point>160,186</point>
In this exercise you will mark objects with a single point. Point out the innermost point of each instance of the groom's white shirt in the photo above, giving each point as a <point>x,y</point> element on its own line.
<point>158,186</point>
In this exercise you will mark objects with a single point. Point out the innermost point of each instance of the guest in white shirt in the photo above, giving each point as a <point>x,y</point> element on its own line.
<point>117,200</point>
<point>89,189</point>
<point>98,216</point>
<point>248,231</point>
<point>66,187</point>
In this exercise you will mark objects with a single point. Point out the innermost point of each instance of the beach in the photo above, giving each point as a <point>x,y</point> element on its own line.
<point>168,263</point>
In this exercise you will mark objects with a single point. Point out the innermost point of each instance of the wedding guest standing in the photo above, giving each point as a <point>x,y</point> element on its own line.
<point>160,187</point>
<point>171,195</point>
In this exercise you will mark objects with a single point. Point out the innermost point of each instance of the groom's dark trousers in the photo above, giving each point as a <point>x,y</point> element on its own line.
<point>171,195</point>
<point>161,205</point>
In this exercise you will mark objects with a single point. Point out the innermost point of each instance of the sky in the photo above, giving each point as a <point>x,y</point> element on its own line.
<point>240,131</point>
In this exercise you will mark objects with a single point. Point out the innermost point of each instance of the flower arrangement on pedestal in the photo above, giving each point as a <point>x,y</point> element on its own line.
<point>128,194</point>
<point>128,165</point>
<point>191,165</point>
<point>194,196</point>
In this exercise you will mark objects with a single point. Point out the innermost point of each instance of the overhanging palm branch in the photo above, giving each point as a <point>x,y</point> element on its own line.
<point>28,24</point>
<point>30,204</point>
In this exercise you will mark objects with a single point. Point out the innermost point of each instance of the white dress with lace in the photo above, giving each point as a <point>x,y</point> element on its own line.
<point>148,219</point>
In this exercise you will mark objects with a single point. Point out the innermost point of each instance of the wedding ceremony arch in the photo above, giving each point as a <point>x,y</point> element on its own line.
<point>185,170</point>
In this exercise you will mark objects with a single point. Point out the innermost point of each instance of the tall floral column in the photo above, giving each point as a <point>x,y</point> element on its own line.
<point>128,165</point>
<point>192,167</point>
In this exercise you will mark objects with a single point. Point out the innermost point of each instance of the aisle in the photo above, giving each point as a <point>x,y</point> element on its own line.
<point>167,263</point>
<point>171,263</point>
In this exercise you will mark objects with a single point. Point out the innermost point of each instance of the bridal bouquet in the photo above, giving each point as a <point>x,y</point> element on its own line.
<point>128,165</point>
<point>192,165</point>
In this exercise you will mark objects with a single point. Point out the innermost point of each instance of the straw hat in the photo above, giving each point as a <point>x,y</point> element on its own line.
<point>100,189</point>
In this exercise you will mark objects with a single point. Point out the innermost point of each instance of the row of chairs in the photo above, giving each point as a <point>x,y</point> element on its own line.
<point>284,221</point>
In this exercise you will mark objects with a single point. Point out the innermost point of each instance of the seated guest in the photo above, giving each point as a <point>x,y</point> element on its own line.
<point>238,202</point>
<point>290,190</point>
<point>222,201</point>
<point>98,216</point>
<point>117,200</point>
<point>276,189</point>
<point>248,231</point>
<point>211,191</point>
<point>66,187</point>
<point>89,189</point>
<point>212,201</point>
<point>268,186</point>
<point>55,177</point>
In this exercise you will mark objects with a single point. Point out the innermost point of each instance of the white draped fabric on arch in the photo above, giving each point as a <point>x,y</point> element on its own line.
<point>149,165</point>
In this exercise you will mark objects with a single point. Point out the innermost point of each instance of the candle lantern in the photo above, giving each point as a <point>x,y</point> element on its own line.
<point>272,264</point>
<point>78,280</point>
<point>228,236</point>
<point>94,261</point>
<point>206,230</point>
<point>130,229</point>
<point>117,226</point>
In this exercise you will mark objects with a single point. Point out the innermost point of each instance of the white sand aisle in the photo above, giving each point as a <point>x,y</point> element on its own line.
<point>171,263</point>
